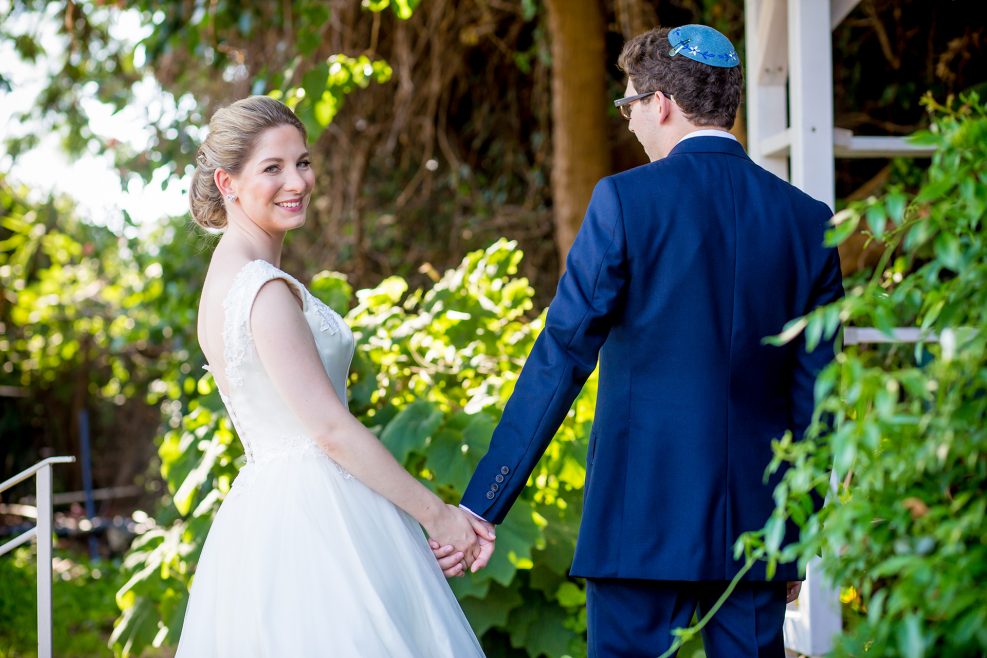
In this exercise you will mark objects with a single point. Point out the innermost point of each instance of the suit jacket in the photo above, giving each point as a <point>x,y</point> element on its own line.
<point>680,269</point>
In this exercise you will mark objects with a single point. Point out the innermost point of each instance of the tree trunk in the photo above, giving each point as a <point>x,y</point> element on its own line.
<point>580,154</point>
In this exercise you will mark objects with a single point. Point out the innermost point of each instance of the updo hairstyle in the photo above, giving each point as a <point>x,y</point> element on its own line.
<point>233,132</point>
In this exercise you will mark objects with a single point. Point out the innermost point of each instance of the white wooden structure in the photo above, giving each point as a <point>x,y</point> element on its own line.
<point>790,132</point>
<point>41,532</point>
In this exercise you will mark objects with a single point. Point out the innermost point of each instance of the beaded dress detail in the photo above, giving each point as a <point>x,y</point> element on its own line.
<point>303,559</point>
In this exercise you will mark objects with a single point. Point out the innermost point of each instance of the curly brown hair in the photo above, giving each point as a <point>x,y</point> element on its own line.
<point>708,95</point>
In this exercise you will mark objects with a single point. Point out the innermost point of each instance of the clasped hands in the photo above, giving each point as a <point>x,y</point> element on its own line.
<point>460,541</point>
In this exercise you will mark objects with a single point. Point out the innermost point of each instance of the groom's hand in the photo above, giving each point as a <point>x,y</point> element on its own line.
<point>486,539</point>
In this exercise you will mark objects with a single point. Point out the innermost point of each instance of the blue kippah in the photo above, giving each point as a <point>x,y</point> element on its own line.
<point>703,44</point>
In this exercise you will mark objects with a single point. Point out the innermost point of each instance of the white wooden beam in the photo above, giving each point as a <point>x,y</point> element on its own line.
<point>840,10</point>
<point>770,63</point>
<point>767,104</point>
<point>814,619</point>
<point>811,92</point>
<point>778,145</point>
<point>811,627</point>
<point>848,145</point>
<point>871,335</point>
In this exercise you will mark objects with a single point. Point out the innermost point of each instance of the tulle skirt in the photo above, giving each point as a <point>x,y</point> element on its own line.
<point>303,560</point>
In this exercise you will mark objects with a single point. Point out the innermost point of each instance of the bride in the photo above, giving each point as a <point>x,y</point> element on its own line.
<point>318,549</point>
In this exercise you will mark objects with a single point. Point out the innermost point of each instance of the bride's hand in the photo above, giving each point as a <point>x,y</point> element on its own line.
<point>450,561</point>
<point>451,527</point>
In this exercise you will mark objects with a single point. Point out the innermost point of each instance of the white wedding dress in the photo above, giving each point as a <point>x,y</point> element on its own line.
<point>303,559</point>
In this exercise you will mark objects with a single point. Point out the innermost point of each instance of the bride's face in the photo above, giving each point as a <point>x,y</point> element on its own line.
<point>275,185</point>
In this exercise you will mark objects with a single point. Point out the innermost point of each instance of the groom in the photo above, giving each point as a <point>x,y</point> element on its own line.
<point>680,270</point>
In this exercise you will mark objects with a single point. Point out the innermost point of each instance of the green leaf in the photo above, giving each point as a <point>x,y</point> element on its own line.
<point>876,219</point>
<point>477,435</point>
<point>918,234</point>
<point>517,536</point>
<point>540,629</point>
<point>911,643</point>
<point>813,331</point>
<point>792,329</point>
<point>447,459</point>
<point>571,595</point>
<point>895,204</point>
<point>935,191</point>
<point>844,224</point>
<point>333,289</point>
<point>135,630</point>
<point>774,533</point>
<point>492,610</point>
<point>407,432</point>
<point>948,251</point>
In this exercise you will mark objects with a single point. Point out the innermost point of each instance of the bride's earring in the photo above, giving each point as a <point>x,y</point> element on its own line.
<point>231,197</point>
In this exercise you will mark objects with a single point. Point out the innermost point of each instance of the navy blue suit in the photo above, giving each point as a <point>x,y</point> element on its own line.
<point>680,269</point>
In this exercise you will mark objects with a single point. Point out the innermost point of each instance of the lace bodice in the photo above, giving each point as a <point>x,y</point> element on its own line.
<point>266,425</point>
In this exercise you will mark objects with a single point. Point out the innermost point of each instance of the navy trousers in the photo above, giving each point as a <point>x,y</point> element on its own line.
<point>631,618</point>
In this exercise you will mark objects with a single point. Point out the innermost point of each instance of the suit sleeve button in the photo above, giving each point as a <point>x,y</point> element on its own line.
<point>490,495</point>
<point>494,487</point>
<point>499,478</point>
<point>504,470</point>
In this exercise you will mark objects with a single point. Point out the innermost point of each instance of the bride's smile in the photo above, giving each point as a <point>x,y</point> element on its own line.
<point>275,185</point>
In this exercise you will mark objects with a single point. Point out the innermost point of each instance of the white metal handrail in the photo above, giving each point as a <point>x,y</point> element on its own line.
<point>42,532</point>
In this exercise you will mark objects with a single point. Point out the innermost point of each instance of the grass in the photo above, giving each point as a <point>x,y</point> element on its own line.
<point>83,605</point>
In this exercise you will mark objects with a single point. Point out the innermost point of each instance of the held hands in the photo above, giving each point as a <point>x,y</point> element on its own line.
<point>450,526</point>
<point>455,562</point>
<point>792,590</point>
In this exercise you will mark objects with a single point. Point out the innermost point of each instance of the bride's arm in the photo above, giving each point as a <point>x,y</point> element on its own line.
<point>287,350</point>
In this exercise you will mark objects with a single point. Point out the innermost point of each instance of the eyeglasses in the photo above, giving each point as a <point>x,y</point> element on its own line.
<point>624,104</point>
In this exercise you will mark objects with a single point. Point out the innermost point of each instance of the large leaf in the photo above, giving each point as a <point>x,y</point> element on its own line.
<point>135,629</point>
<point>447,458</point>
<point>540,629</point>
<point>517,537</point>
<point>492,610</point>
<point>407,432</point>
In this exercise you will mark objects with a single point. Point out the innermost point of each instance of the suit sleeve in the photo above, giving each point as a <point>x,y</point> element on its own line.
<point>828,288</point>
<point>565,353</point>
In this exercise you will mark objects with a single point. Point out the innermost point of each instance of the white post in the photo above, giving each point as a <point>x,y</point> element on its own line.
<point>816,619</point>
<point>44,560</point>
<point>810,48</point>
<point>767,71</point>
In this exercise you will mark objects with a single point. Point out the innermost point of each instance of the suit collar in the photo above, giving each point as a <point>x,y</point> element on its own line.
<point>709,145</point>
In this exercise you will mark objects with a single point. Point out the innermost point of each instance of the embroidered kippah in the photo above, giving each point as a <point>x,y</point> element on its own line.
<point>703,44</point>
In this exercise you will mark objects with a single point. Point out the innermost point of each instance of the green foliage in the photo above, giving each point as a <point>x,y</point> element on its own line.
<point>88,319</point>
<point>431,372</point>
<point>190,49</point>
<point>904,426</point>
<point>326,84</point>
<point>401,8</point>
<point>82,604</point>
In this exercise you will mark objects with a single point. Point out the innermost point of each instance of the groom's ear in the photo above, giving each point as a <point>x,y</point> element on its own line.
<point>664,106</point>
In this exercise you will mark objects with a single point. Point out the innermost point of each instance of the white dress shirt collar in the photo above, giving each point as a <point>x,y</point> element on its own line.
<point>708,132</point>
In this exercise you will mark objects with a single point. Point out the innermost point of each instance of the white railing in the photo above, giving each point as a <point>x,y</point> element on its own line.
<point>42,532</point>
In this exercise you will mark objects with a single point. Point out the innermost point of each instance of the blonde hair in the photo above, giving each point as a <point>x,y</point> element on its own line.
<point>233,132</point>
